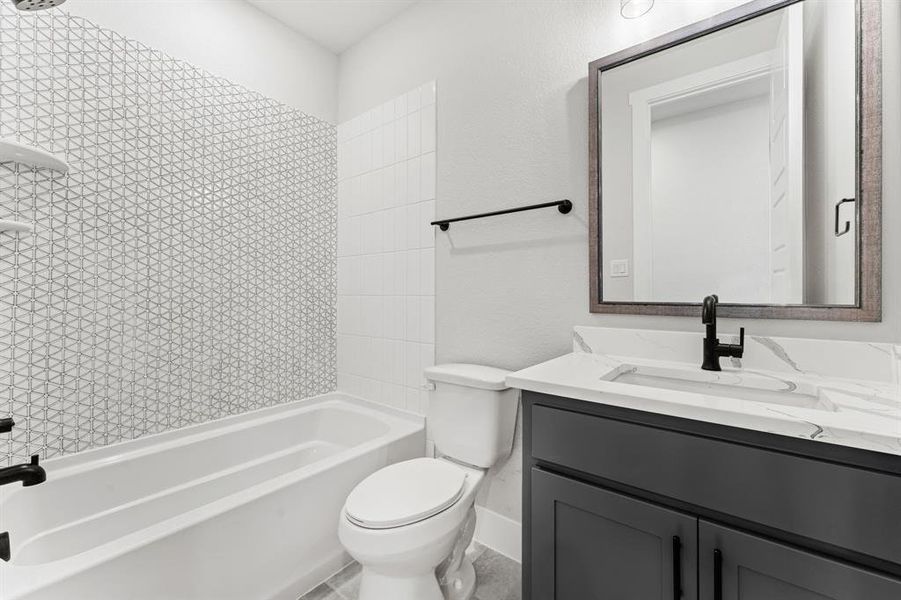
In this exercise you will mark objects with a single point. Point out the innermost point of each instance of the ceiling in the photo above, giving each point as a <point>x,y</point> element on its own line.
<point>334,24</point>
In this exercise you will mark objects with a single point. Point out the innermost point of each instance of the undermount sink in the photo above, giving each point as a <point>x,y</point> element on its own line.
<point>752,387</point>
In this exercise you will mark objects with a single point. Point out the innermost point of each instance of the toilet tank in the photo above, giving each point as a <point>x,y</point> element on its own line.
<point>472,412</point>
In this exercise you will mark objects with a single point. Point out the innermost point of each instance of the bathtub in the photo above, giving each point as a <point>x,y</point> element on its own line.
<point>242,508</point>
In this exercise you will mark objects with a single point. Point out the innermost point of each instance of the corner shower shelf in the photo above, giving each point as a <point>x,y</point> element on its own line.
<point>13,151</point>
<point>7,226</point>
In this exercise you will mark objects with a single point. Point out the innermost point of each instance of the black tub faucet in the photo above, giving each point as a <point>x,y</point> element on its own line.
<point>29,473</point>
<point>713,349</point>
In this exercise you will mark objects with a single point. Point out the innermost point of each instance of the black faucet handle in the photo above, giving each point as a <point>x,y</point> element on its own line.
<point>4,546</point>
<point>735,350</point>
<point>6,425</point>
<point>35,458</point>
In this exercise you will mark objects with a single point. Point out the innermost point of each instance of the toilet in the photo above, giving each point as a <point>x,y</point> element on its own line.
<point>408,524</point>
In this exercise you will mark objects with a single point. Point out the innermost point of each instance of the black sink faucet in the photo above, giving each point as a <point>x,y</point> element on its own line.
<point>713,349</point>
<point>28,473</point>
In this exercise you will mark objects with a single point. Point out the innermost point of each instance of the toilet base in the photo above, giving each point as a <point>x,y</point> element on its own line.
<point>461,585</point>
<point>378,586</point>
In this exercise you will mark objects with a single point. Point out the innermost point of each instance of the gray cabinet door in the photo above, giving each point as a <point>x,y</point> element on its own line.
<point>754,568</point>
<point>589,543</point>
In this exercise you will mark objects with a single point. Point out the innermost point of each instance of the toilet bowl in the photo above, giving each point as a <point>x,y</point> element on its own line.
<point>407,519</point>
<point>403,521</point>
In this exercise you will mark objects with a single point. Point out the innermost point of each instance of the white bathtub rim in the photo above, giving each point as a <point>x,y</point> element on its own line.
<point>155,440</point>
<point>30,578</point>
<point>58,466</point>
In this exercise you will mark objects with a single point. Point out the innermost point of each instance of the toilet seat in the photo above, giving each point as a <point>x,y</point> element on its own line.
<point>405,493</point>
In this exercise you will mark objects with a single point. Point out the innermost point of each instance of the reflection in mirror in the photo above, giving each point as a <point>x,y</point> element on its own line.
<point>726,160</point>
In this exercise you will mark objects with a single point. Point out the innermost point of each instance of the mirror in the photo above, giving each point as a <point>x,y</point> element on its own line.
<point>738,157</point>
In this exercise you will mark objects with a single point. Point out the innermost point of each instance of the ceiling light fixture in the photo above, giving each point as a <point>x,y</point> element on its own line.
<point>632,9</point>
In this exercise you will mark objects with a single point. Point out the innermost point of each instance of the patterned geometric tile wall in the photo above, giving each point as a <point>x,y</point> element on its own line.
<point>183,270</point>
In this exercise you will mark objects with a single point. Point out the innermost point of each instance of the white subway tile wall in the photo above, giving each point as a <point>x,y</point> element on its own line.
<point>386,254</point>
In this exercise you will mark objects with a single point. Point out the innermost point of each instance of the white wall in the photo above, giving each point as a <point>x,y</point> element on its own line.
<point>512,130</point>
<point>829,149</point>
<point>840,123</point>
<point>724,147</point>
<point>726,50</point>
<point>386,255</point>
<point>229,38</point>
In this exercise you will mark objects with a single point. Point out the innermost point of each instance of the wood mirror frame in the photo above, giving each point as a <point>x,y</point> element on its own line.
<point>868,176</point>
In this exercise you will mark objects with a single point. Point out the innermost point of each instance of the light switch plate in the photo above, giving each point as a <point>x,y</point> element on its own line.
<point>619,268</point>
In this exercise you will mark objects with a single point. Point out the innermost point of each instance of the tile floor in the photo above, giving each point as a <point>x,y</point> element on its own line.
<point>497,576</point>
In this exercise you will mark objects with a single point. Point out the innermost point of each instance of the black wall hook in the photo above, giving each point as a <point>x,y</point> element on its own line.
<point>564,206</point>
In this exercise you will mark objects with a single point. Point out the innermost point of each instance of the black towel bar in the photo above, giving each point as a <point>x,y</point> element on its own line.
<point>564,206</point>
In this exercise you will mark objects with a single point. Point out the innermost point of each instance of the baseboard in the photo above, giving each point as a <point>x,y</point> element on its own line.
<point>501,534</point>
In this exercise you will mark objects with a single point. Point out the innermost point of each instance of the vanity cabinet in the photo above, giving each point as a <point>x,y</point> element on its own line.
<point>588,542</point>
<point>735,565</point>
<point>629,505</point>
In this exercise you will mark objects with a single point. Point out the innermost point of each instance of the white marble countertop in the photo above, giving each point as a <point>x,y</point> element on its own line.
<point>846,411</point>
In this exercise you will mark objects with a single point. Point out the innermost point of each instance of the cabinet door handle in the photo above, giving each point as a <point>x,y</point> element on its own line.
<point>717,575</point>
<point>677,568</point>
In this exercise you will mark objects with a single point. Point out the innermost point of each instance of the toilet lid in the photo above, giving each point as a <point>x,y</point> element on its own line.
<point>404,493</point>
